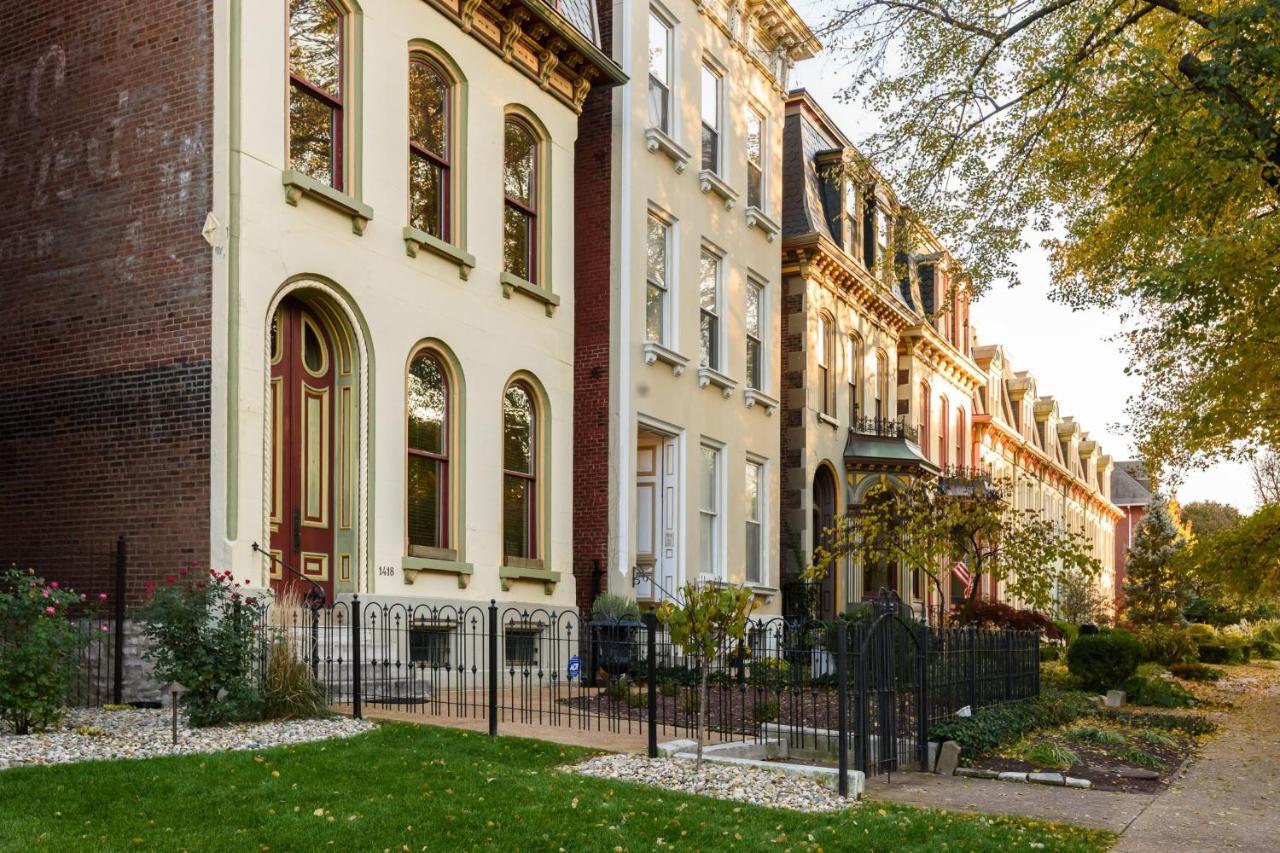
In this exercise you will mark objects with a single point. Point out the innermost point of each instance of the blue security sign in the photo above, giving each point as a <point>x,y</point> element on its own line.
<point>575,666</point>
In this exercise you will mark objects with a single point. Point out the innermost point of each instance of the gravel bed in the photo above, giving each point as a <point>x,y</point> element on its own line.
<point>754,785</point>
<point>97,735</point>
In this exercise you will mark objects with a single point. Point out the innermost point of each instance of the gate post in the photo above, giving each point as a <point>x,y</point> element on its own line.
<point>971,667</point>
<point>315,641</point>
<point>493,668</point>
<point>842,700</point>
<point>356,711</point>
<point>1008,664</point>
<point>117,687</point>
<point>861,724</point>
<point>1035,665</point>
<point>922,698</point>
<point>651,643</point>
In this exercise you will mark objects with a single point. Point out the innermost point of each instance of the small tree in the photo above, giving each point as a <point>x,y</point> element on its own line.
<point>1156,589</point>
<point>708,619</point>
<point>1079,601</point>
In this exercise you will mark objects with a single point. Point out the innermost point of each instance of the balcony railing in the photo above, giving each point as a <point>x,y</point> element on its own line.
<point>884,428</point>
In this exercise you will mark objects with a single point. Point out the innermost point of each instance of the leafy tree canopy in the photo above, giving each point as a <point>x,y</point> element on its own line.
<point>1208,518</point>
<point>1242,561</point>
<point>1144,135</point>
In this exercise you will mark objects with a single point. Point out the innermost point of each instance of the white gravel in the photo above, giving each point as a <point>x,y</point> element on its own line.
<point>96,735</point>
<point>758,786</point>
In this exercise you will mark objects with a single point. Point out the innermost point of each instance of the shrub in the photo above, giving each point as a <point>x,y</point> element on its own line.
<point>1201,632</point>
<point>991,728</point>
<point>1140,757</point>
<point>1225,648</point>
<point>1094,734</point>
<point>616,607</point>
<point>1265,649</point>
<point>769,674</point>
<point>1046,754</point>
<point>1166,645</point>
<point>1144,688</point>
<point>1069,632</point>
<point>1195,671</point>
<point>1104,660</point>
<point>291,691</point>
<point>202,636</point>
<point>764,711</point>
<point>38,649</point>
<point>1050,653</point>
<point>981,613</point>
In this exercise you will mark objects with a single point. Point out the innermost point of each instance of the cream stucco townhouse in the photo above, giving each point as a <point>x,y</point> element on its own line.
<point>678,296</point>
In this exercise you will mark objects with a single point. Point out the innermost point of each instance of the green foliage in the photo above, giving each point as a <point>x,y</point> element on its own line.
<point>38,648</point>
<point>1144,135</point>
<point>1146,688</point>
<point>1046,753</point>
<point>1050,652</point>
<point>1167,645</point>
<point>1080,601</point>
<point>445,789</point>
<point>1156,588</point>
<point>1225,648</point>
<point>618,607</point>
<point>1069,631</point>
<point>1104,660</point>
<point>1159,738</point>
<point>291,692</point>
<point>991,728</point>
<point>764,711</point>
<point>202,636</point>
<point>1056,676</point>
<point>1190,724</point>
<point>769,674</point>
<point>1243,561</point>
<point>709,620</point>
<point>1094,734</point>
<point>1201,633</point>
<point>1208,518</point>
<point>1195,671</point>
<point>1140,757</point>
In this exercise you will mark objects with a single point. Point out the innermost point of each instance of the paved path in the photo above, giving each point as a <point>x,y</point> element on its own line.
<point>1229,798</point>
<point>1098,809</point>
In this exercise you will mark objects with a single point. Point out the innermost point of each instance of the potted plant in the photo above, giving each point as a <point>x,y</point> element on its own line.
<point>614,619</point>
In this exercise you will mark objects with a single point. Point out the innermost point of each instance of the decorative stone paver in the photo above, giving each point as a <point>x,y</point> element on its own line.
<point>1229,797</point>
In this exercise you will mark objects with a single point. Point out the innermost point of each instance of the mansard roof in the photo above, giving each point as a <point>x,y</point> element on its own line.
<point>1126,489</point>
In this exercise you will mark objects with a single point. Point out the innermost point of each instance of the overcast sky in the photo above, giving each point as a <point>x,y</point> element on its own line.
<point>1070,353</point>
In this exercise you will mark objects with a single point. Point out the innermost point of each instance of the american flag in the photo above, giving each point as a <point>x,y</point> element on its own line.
<point>961,573</point>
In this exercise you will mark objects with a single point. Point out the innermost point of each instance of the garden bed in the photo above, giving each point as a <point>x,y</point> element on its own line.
<point>732,710</point>
<point>101,735</point>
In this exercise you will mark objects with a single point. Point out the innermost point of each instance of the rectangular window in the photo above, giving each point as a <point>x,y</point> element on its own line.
<point>824,363</point>
<point>753,495</point>
<point>656,288</point>
<point>520,646</point>
<point>712,84</point>
<point>755,159</point>
<point>659,72</point>
<point>709,306</point>
<point>855,376</point>
<point>709,511</point>
<point>755,336</point>
<point>316,84</point>
<point>429,645</point>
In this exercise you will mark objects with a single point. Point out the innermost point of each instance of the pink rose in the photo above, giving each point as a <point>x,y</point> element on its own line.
<point>102,596</point>
<point>45,593</point>
<point>105,629</point>
<point>52,611</point>
<point>54,584</point>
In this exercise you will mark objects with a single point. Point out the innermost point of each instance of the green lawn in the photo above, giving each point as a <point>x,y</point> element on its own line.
<point>419,788</point>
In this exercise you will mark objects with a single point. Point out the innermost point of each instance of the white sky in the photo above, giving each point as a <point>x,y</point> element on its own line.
<point>1070,353</point>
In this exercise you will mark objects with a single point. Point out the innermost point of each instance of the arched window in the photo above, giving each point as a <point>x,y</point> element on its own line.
<point>826,363</point>
<point>960,439</point>
<point>881,385</point>
<point>520,200</point>
<point>943,427</point>
<point>519,472</point>
<point>855,377</point>
<point>316,90</point>
<point>427,477</point>
<point>430,148</point>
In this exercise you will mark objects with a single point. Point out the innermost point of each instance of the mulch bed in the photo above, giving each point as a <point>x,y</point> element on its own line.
<point>731,710</point>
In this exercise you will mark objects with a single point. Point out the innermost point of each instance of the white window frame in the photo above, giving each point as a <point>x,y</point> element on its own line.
<point>716,73</point>
<point>659,16</point>
<point>666,284</point>
<point>756,286</point>
<point>762,166</point>
<point>715,514</point>
<point>760,521</point>
<point>715,359</point>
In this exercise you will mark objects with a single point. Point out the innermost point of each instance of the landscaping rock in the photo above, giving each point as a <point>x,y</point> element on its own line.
<point>1047,778</point>
<point>744,782</point>
<point>1011,776</point>
<point>977,772</point>
<point>948,758</point>
<point>1115,698</point>
<point>671,747</point>
<point>1073,782</point>
<point>1136,773</point>
<point>90,734</point>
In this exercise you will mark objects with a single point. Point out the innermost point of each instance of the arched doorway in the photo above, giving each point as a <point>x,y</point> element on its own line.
<point>313,445</point>
<point>824,516</point>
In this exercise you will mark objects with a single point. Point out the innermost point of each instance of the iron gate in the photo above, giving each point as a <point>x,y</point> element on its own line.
<point>891,691</point>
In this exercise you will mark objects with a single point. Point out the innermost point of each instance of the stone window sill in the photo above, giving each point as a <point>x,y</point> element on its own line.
<point>711,376</point>
<point>764,591</point>
<point>710,182</point>
<point>824,418</point>
<point>548,578</point>
<point>416,241</point>
<point>757,218</point>
<point>512,283</point>
<point>413,566</point>
<point>297,185</point>
<point>656,139</point>
<point>655,352</point>
<point>755,397</point>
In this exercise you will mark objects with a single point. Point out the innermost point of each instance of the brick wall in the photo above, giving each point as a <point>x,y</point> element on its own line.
<point>105,160</point>
<point>792,413</point>
<point>592,332</point>
<point>1126,528</point>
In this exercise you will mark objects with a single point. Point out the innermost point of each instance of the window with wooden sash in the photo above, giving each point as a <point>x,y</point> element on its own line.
<point>943,426</point>
<point>657,288</point>
<point>755,158</point>
<point>755,335</point>
<point>317,81</point>
<point>709,515</point>
<point>709,309</point>
<point>660,72</point>
<point>427,474</point>
<point>826,344</point>
<point>855,376</point>
<point>881,384</point>
<point>753,514</point>
<point>519,472</point>
<point>712,89</point>
<point>960,439</point>
<point>430,154</point>
<point>520,200</point>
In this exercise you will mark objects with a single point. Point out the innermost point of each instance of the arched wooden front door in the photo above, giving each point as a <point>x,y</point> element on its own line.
<point>824,516</point>
<point>302,413</point>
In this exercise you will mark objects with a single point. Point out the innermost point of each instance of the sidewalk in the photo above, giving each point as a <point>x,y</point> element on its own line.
<point>1230,797</point>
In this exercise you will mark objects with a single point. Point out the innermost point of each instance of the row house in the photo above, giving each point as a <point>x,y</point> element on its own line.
<point>678,285</point>
<point>882,381</point>
<point>320,279</point>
